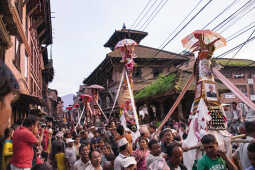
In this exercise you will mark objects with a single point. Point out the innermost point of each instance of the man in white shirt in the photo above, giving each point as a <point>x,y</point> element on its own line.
<point>242,153</point>
<point>124,153</point>
<point>84,161</point>
<point>70,154</point>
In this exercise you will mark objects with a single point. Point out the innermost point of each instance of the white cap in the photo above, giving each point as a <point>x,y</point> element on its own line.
<point>128,161</point>
<point>69,140</point>
<point>167,129</point>
<point>121,142</point>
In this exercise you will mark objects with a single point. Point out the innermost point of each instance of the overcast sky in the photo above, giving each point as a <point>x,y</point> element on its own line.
<point>81,27</point>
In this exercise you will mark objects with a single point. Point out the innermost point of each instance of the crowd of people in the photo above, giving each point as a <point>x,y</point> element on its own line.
<point>36,144</point>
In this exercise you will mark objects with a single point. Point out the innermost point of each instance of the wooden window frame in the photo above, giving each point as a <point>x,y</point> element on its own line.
<point>16,61</point>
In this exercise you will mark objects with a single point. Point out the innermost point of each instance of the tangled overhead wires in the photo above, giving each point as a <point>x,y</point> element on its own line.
<point>233,15</point>
<point>140,14</point>
<point>153,15</point>
<point>148,13</point>
<point>227,8</point>
<point>180,24</point>
<point>183,27</point>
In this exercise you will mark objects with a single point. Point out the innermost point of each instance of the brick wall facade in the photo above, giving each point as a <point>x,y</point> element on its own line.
<point>243,78</point>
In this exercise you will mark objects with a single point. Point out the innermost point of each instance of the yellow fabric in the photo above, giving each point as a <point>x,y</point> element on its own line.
<point>60,159</point>
<point>6,155</point>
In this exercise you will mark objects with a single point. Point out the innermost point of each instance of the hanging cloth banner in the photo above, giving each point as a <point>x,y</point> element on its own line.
<point>233,88</point>
<point>171,111</point>
<point>118,92</point>
<point>132,101</point>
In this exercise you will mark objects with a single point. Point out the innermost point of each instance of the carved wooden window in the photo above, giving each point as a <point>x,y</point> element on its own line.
<point>31,86</point>
<point>16,61</point>
<point>25,65</point>
<point>227,74</point>
<point>32,57</point>
<point>250,73</point>
<point>156,71</point>
<point>137,73</point>
<point>238,75</point>
<point>251,89</point>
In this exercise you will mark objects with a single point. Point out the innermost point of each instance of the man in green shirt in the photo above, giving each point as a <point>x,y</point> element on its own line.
<point>214,159</point>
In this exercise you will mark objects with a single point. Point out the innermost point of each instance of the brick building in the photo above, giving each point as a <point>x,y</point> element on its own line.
<point>25,33</point>
<point>241,72</point>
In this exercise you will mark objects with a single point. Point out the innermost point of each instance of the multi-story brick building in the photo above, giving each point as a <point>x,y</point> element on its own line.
<point>25,33</point>
<point>241,72</point>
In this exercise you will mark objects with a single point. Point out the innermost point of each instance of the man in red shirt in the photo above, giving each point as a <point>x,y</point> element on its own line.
<point>24,139</point>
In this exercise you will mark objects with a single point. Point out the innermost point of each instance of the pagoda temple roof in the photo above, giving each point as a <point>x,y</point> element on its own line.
<point>125,33</point>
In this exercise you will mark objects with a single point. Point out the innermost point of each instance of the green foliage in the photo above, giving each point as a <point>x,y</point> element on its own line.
<point>158,124</point>
<point>161,85</point>
<point>235,62</point>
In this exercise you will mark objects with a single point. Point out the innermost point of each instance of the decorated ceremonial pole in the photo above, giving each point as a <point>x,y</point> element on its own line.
<point>86,99</point>
<point>95,94</point>
<point>76,110</point>
<point>68,115</point>
<point>125,96</point>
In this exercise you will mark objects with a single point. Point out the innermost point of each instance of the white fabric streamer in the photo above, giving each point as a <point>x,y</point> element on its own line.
<point>79,120</point>
<point>133,102</point>
<point>118,92</point>
<point>102,112</point>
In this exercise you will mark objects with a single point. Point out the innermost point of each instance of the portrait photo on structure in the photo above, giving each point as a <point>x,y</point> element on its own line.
<point>210,91</point>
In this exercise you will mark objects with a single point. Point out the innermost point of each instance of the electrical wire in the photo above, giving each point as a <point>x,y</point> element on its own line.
<point>144,15</point>
<point>241,46</point>
<point>180,23</point>
<point>236,47</point>
<point>240,32</point>
<point>147,4</point>
<point>227,8</point>
<point>152,17</point>
<point>229,17</point>
<point>235,20</point>
<point>224,10</point>
<point>184,26</point>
